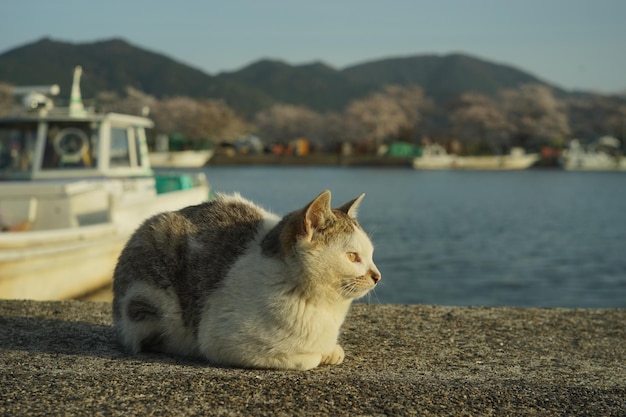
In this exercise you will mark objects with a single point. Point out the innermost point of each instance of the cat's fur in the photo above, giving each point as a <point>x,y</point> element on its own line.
<point>230,282</point>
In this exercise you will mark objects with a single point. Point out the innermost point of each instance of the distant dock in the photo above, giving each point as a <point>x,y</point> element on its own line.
<point>314,159</point>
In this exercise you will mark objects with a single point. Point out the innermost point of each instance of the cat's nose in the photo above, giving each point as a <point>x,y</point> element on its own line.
<point>375,275</point>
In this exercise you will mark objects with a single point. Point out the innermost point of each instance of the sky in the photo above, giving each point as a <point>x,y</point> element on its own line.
<point>574,44</point>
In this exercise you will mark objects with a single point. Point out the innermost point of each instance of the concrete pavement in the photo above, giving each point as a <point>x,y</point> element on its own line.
<point>61,358</point>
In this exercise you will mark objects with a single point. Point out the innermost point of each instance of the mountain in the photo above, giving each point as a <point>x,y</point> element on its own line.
<point>442,77</point>
<point>316,85</point>
<point>115,64</point>
<point>107,65</point>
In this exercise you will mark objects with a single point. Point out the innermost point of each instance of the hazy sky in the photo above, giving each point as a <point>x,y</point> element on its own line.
<point>575,44</point>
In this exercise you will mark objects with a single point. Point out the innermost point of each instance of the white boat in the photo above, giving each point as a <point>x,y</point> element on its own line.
<point>435,157</point>
<point>180,159</point>
<point>517,159</point>
<point>73,186</point>
<point>603,155</point>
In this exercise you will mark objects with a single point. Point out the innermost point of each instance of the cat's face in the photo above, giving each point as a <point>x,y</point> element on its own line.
<point>339,250</point>
<point>355,272</point>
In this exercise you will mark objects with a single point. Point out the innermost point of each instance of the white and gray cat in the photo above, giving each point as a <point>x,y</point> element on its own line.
<point>239,286</point>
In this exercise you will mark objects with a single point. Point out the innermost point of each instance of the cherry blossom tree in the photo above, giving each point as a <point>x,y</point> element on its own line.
<point>596,115</point>
<point>535,114</point>
<point>283,123</point>
<point>197,119</point>
<point>385,115</point>
<point>7,100</point>
<point>477,120</point>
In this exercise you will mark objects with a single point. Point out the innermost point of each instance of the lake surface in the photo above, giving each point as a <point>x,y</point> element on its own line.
<point>541,238</point>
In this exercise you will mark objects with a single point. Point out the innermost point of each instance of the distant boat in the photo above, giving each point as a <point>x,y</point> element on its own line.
<point>74,185</point>
<point>435,157</point>
<point>169,153</point>
<point>180,159</point>
<point>517,159</point>
<point>605,154</point>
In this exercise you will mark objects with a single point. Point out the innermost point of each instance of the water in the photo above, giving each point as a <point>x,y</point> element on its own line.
<point>528,238</point>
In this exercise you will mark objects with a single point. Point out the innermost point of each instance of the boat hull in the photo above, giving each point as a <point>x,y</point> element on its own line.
<point>487,163</point>
<point>54,271</point>
<point>503,162</point>
<point>67,263</point>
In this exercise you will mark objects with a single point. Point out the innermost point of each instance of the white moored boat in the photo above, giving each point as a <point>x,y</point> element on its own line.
<point>605,154</point>
<point>73,186</point>
<point>180,159</point>
<point>517,159</point>
<point>436,157</point>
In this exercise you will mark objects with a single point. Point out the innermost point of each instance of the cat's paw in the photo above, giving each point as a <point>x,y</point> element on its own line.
<point>335,357</point>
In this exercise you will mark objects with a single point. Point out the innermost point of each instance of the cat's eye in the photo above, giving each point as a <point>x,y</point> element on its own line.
<point>353,256</point>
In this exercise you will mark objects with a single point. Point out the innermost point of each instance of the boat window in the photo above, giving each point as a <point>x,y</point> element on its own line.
<point>17,148</point>
<point>120,152</point>
<point>69,145</point>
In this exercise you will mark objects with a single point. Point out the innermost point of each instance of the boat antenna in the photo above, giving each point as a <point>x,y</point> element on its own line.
<point>76,101</point>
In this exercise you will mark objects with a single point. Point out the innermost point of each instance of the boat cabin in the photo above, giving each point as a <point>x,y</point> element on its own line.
<point>53,144</point>
<point>60,170</point>
<point>64,168</point>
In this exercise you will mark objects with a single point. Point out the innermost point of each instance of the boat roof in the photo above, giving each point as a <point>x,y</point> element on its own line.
<point>63,115</point>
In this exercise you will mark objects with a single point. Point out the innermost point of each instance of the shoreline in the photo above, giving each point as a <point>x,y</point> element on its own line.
<point>315,159</point>
<point>400,360</point>
<point>359,160</point>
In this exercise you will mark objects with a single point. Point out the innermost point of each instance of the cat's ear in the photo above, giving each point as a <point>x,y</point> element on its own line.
<point>352,206</point>
<point>316,213</point>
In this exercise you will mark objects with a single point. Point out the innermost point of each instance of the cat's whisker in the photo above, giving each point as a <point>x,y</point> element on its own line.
<point>351,288</point>
<point>347,289</point>
<point>375,295</point>
<point>372,232</point>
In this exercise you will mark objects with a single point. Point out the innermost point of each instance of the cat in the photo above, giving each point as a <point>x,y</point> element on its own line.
<point>238,286</point>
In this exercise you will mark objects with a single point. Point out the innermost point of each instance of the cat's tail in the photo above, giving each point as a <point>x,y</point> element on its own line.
<point>150,319</point>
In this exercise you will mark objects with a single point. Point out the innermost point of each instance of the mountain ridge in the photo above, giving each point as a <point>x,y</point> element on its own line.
<point>114,64</point>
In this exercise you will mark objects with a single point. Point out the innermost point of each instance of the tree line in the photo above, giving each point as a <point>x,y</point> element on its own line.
<point>530,116</point>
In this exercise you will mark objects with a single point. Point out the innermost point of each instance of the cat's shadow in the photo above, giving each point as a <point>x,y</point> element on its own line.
<point>54,336</point>
<point>39,335</point>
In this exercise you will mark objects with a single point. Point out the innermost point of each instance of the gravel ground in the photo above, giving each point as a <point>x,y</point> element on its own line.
<point>61,358</point>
